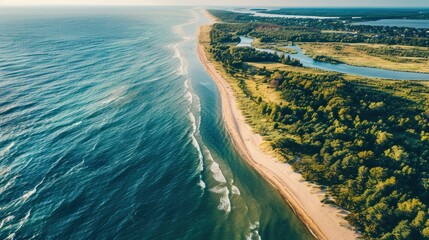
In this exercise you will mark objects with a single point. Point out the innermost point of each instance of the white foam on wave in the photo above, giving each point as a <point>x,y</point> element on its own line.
<point>225,203</point>
<point>182,69</point>
<point>20,224</point>
<point>4,170</point>
<point>117,94</point>
<point>11,236</point>
<point>191,118</point>
<point>195,143</point>
<point>194,109</point>
<point>219,177</point>
<point>254,225</point>
<point>235,190</point>
<point>194,134</point>
<point>30,193</point>
<point>254,232</point>
<point>76,123</point>
<point>6,220</point>
<point>195,106</point>
<point>217,173</point>
<point>180,30</point>
<point>24,220</point>
<point>200,167</point>
<point>214,167</point>
<point>200,155</point>
<point>7,185</point>
<point>76,168</point>
<point>194,102</point>
<point>188,97</point>
<point>96,141</point>
<point>202,184</point>
<point>254,235</point>
<point>6,149</point>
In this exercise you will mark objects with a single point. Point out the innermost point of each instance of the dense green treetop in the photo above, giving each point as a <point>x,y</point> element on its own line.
<point>366,140</point>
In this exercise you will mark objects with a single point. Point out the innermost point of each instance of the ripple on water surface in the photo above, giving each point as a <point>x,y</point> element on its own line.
<point>110,128</point>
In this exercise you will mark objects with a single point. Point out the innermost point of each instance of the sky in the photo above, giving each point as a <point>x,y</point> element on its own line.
<point>292,3</point>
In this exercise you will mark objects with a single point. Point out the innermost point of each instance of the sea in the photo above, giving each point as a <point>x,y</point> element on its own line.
<point>110,128</point>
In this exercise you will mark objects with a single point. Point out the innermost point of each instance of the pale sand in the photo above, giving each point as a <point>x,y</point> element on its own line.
<point>324,221</point>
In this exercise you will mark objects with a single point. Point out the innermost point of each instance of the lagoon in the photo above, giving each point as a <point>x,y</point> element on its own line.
<point>412,23</point>
<point>342,68</point>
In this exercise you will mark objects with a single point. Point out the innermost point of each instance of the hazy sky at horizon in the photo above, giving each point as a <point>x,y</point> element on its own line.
<point>304,3</point>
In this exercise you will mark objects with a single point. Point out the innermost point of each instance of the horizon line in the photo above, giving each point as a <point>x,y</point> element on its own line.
<point>193,5</point>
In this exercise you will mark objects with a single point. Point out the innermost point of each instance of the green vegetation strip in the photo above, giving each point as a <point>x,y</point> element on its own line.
<point>366,140</point>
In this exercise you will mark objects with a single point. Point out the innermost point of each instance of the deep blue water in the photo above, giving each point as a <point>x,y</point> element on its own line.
<point>342,67</point>
<point>110,128</point>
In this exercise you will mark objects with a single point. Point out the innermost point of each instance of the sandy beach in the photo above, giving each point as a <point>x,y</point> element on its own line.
<point>324,221</point>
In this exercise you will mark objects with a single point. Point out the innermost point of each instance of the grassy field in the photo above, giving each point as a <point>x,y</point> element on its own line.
<point>395,87</point>
<point>258,88</point>
<point>350,54</point>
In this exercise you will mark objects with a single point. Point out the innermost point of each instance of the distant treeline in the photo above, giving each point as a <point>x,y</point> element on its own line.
<point>394,51</point>
<point>349,13</point>
<point>318,30</point>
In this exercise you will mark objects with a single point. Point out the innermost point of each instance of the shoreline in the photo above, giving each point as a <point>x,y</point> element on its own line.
<point>323,221</point>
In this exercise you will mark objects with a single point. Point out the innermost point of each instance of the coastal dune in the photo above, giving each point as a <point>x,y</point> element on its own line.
<point>323,220</point>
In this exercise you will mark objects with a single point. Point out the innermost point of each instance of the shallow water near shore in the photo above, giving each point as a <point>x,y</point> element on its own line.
<point>111,128</point>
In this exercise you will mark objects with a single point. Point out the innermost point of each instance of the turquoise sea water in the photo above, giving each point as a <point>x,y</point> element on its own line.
<point>110,128</point>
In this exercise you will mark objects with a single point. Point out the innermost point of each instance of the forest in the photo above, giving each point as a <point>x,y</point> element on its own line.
<point>395,52</point>
<point>349,13</point>
<point>233,57</point>
<point>366,141</point>
<point>321,30</point>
